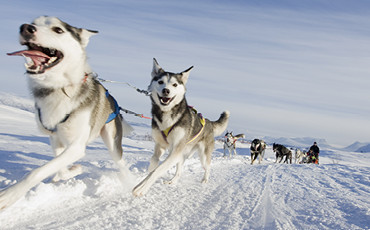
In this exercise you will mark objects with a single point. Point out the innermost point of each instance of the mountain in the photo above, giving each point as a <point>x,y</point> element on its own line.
<point>364,149</point>
<point>358,147</point>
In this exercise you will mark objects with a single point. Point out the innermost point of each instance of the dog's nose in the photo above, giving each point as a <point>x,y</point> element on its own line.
<point>27,29</point>
<point>165,91</point>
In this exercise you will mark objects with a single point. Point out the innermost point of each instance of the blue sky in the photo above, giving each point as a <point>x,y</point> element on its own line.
<point>283,68</point>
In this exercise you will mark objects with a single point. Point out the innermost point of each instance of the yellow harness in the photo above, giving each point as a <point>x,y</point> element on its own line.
<point>202,120</point>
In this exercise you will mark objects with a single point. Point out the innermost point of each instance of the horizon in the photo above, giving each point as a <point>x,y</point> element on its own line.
<point>282,68</point>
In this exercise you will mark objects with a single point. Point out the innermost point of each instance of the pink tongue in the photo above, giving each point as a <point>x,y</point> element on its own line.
<point>36,56</point>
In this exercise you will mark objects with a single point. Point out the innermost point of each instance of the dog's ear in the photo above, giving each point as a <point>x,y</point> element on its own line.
<point>185,75</point>
<point>85,36</point>
<point>156,68</point>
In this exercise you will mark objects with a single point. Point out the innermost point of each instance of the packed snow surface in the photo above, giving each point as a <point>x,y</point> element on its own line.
<point>332,195</point>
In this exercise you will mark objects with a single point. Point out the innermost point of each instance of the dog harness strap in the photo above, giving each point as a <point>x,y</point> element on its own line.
<point>203,122</point>
<point>55,128</point>
<point>166,132</point>
<point>115,113</point>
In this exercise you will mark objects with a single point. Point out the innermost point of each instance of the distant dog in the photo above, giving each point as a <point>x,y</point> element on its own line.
<point>72,107</point>
<point>299,156</point>
<point>230,143</point>
<point>178,128</point>
<point>282,151</point>
<point>257,149</point>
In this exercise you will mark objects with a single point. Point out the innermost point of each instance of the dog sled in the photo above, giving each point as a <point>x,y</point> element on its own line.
<point>310,158</point>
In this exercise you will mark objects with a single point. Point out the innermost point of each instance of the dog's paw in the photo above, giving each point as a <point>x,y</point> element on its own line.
<point>173,181</point>
<point>142,188</point>
<point>204,181</point>
<point>9,196</point>
<point>66,174</point>
<point>139,191</point>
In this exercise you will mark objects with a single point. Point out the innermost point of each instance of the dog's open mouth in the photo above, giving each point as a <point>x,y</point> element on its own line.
<point>39,58</point>
<point>165,100</point>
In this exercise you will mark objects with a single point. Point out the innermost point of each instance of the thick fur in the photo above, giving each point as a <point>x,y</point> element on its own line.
<point>170,109</point>
<point>230,143</point>
<point>257,148</point>
<point>298,158</point>
<point>72,107</point>
<point>282,151</point>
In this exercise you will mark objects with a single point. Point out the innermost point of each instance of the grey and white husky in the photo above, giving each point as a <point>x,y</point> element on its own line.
<point>178,128</point>
<point>72,107</point>
<point>230,143</point>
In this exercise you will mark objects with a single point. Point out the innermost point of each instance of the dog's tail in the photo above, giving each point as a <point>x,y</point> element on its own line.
<point>240,136</point>
<point>220,125</point>
<point>126,128</point>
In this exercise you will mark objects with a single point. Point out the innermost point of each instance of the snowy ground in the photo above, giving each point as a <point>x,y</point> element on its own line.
<point>332,195</point>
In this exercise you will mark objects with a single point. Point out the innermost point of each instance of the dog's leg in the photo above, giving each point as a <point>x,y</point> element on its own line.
<point>261,156</point>
<point>205,154</point>
<point>173,158</point>
<point>111,134</point>
<point>179,169</point>
<point>281,158</point>
<point>64,173</point>
<point>154,161</point>
<point>71,154</point>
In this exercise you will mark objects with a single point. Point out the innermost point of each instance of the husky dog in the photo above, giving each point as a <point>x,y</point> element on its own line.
<point>257,148</point>
<point>72,107</point>
<point>298,158</point>
<point>178,128</point>
<point>282,151</point>
<point>230,143</point>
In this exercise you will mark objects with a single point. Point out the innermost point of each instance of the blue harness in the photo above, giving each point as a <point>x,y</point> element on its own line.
<point>115,113</point>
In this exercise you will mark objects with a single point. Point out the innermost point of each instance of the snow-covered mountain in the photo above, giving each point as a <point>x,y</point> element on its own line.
<point>364,149</point>
<point>358,147</point>
<point>332,195</point>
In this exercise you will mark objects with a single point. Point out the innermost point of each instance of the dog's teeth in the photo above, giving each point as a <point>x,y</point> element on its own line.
<point>52,51</point>
<point>37,68</point>
<point>52,59</point>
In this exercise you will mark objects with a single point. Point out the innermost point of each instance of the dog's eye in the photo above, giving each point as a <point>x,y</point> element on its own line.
<point>175,85</point>
<point>160,82</point>
<point>58,30</point>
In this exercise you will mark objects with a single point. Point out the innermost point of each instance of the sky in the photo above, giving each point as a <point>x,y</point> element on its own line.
<point>282,68</point>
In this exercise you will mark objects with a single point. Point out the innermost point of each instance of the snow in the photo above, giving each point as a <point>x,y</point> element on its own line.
<point>332,195</point>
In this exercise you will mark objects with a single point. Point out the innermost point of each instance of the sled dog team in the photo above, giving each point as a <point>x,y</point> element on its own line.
<point>73,108</point>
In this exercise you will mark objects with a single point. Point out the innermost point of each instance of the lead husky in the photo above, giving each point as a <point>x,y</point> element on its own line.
<point>177,127</point>
<point>72,107</point>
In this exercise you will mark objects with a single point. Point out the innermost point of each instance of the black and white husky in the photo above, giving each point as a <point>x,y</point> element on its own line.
<point>178,128</point>
<point>230,143</point>
<point>72,107</point>
<point>282,151</point>
<point>257,148</point>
